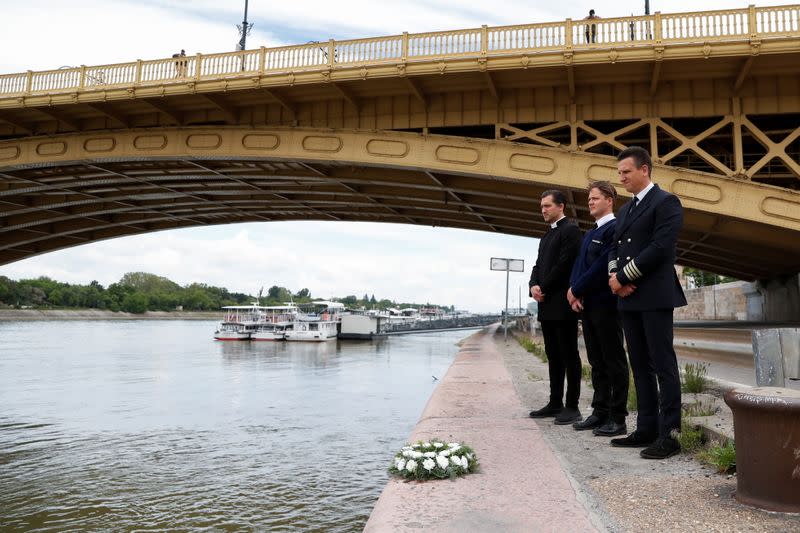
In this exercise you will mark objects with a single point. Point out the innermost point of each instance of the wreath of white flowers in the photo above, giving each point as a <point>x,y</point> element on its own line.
<point>434,459</point>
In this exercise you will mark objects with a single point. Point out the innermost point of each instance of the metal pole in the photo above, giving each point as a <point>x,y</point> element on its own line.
<point>646,7</point>
<point>505,319</point>
<point>243,40</point>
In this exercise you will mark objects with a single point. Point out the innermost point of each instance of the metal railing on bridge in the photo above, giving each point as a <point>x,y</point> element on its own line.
<point>748,24</point>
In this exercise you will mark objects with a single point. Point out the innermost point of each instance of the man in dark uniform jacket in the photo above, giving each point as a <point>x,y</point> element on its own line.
<point>548,286</point>
<point>590,295</point>
<point>642,273</point>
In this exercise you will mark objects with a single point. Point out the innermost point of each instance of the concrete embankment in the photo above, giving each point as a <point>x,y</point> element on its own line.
<point>520,485</point>
<point>99,314</point>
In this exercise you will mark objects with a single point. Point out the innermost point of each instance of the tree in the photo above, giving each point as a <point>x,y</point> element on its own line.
<point>303,293</point>
<point>134,303</point>
<point>701,278</point>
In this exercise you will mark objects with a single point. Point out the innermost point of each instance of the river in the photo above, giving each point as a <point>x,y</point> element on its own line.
<point>152,425</point>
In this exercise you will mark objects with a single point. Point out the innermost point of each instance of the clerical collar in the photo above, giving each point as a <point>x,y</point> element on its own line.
<point>554,225</point>
<point>644,191</point>
<point>606,219</point>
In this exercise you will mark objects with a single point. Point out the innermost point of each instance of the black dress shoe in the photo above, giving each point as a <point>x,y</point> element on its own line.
<point>634,440</point>
<point>610,429</point>
<point>546,411</point>
<point>568,415</point>
<point>661,449</point>
<point>590,423</point>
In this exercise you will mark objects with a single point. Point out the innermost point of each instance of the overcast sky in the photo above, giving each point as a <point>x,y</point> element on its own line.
<point>404,263</point>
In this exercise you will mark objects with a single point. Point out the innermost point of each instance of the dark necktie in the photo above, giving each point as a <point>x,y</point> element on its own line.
<point>635,203</point>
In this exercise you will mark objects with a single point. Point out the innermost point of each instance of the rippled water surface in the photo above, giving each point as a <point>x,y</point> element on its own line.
<point>152,425</point>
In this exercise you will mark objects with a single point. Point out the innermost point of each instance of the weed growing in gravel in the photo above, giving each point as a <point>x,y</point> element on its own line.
<point>690,436</point>
<point>694,377</point>
<point>721,456</point>
<point>532,347</point>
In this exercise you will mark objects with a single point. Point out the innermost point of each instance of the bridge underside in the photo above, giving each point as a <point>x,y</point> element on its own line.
<point>72,190</point>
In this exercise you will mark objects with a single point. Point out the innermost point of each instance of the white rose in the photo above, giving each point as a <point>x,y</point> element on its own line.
<point>400,465</point>
<point>407,453</point>
<point>428,464</point>
<point>453,445</point>
<point>438,445</point>
<point>442,461</point>
<point>426,444</point>
<point>444,453</point>
<point>411,465</point>
<point>429,454</point>
<point>455,448</point>
<point>416,455</point>
<point>456,460</point>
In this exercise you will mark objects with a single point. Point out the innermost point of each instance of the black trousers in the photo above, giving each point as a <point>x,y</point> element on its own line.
<point>655,370</point>
<point>561,345</point>
<point>602,333</point>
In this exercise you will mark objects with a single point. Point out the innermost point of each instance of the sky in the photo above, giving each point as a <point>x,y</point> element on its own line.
<point>402,263</point>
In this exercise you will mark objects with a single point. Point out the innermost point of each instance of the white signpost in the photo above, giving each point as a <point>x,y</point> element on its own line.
<point>507,265</point>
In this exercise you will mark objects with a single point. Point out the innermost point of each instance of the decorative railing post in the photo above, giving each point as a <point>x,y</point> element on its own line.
<point>568,33</point>
<point>198,66</point>
<point>404,53</point>
<point>262,59</point>
<point>138,76</point>
<point>657,27</point>
<point>82,80</point>
<point>331,52</point>
<point>484,40</point>
<point>752,26</point>
<point>29,82</point>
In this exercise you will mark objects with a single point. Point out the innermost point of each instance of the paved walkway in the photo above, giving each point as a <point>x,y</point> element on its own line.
<point>521,485</point>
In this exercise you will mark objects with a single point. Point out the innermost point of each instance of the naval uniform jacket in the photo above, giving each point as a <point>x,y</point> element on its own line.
<point>558,249</point>
<point>643,252</point>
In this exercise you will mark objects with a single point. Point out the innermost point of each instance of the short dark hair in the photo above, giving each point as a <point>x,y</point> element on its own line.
<point>558,196</point>
<point>605,188</point>
<point>591,11</point>
<point>640,157</point>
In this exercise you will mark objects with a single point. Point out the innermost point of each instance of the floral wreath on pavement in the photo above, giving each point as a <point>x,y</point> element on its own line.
<point>434,459</point>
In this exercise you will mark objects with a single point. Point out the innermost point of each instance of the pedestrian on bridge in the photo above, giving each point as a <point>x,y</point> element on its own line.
<point>642,274</point>
<point>591,28</point>
<point>549,283</point>
<point>590,295</point>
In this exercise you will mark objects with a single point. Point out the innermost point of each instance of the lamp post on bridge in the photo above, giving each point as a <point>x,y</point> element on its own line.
<point>507,265</point>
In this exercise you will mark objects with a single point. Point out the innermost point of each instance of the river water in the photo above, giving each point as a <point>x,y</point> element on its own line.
<point>152,425</point>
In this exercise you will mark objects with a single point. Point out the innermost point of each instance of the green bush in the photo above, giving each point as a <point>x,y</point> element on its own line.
<point>586,373</point>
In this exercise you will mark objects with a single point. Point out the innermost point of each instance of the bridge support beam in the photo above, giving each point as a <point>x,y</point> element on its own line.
<point>774,300</point>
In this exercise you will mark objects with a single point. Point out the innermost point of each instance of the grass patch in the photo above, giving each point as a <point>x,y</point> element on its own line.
<point>690,437</point>
<point>694,377</point>
<point>699,408</point>
<point>633,402</point>
<point>721,456</point>
<point>532,347</point>
<point>586,373</point>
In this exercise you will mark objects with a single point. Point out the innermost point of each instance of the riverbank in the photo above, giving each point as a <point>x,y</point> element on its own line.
<point>101,314</point>
<point>616,490</point>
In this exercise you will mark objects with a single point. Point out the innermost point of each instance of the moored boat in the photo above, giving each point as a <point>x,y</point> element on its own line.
<point>275,322</point>
<point>320,323</point>
<point>238,322</point>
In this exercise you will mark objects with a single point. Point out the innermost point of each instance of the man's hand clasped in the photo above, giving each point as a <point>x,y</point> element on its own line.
<point>536,292</point>
<point>623,291</point>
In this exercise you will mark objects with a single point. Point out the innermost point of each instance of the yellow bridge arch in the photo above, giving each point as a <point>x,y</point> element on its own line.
<point>63,191</point>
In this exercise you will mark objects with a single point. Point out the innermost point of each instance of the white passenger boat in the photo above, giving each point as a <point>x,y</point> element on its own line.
<point>276,321</point>
<point>239,322</point>
<point>319,323</point>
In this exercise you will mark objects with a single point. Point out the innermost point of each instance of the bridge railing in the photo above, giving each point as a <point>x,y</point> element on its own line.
<point>668,29</point>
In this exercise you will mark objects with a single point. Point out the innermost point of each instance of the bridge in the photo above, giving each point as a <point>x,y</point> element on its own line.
<point>460,128</point>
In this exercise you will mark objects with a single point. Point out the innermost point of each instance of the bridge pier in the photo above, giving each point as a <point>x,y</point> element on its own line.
<point>774,300</point>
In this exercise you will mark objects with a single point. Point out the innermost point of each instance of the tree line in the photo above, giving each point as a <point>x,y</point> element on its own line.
<point>138,292</point>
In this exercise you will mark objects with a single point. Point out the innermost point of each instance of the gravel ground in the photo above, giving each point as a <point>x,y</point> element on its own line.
<point>625,492</point>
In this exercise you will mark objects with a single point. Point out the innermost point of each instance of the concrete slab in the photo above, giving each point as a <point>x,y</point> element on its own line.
<point>521,486</point>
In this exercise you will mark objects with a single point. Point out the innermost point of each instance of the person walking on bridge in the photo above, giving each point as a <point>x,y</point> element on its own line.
<point>549,282</point>
<point>590,295</point>
<point>642,273</point>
